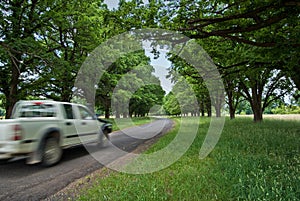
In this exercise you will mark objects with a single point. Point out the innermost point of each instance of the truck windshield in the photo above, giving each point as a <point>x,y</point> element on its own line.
<point>37,110</point>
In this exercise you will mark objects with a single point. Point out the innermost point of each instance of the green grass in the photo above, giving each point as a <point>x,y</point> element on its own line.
<point>250,162</point>
<point>118,124</point>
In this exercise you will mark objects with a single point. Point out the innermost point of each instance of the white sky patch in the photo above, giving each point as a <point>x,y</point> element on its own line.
<point>160,65</point>
<point>111,4</point>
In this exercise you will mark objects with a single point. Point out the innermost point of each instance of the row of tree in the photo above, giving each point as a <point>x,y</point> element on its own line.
<point>254,44</point>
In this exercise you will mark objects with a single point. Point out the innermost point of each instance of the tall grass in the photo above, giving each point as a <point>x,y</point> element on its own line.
<point>250,162</point>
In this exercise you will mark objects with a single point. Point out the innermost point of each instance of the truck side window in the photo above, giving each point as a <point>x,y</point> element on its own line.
<point>68,111</point>
<point>85,114</point>
<point>37,110</point>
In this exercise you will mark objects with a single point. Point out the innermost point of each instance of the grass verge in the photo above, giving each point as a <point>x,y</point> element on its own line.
<point>250,162</point>
<point>118,124</point>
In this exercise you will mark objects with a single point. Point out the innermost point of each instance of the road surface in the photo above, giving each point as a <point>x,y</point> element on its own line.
<point>19,181</point>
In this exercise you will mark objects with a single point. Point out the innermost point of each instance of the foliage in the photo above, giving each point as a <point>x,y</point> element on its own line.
<point>263,87</point>
<point>137,91</point>
<point>261,34</point>
<point>110,78</point>
<point>145,98</point>
<point>290,109</point>
<point>71,33</point>
<point>171,105</point>
<point>189,85</point>
<point>186,97</point>
<point>43,44</point>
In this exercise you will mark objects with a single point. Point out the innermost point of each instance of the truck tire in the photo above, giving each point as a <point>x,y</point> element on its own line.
<point>51,153</point>
<point>106,134</point>
<point>103,138</point>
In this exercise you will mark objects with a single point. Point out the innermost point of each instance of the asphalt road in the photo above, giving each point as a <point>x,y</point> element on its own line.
<point>19,181</point>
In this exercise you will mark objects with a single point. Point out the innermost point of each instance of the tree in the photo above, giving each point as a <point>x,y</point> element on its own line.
<point>263,86</point>
<point>171,105</point>
<point>20,52</point>
<point>145,98</point>
<point>137,91</point>
<point>72,32</point>
<point>123,92</point>
<point>43,44</point>
<point>186,97</point>
<point>204,76</point>
<point>110,78</point>
<point>272,25</point>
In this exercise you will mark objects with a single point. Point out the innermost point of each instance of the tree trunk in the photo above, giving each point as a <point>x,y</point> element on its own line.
<point>231,112</point>
<point>209,112</point>
<point>107,113</point>
<point>9,107</point>
<point>257,108</point>
<point>258,117</point>
<point>12,97</point>
<point>231,104</point>
<point>296,77</point>
<point>117,112</point>
<point>218,102</point>
<point>218,112</point>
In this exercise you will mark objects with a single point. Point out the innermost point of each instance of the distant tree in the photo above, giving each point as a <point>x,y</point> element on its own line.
<point>186,97</point>
<point>111,76</point>
<point>171,104</point>
<point>145,98</point>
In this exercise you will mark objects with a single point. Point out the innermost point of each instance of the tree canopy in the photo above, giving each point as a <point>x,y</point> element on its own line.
<point>254,44</point>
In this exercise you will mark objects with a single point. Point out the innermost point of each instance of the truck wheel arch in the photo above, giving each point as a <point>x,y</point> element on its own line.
<point>49,133</point>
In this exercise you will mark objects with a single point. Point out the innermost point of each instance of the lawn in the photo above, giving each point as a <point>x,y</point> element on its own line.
<point>252,161</point>
<point>118,124</point>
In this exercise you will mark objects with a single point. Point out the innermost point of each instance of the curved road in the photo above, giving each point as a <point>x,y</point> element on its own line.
<point>19,181</point>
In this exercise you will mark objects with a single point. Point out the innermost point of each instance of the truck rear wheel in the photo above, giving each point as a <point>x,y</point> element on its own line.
<point>106,134</point>
<point>52,152</point>
<point>103,138</point>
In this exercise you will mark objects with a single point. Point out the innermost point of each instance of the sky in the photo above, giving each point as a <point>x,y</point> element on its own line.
<point>161,65</point>
<point>111,3</point>
<point>114,3</point>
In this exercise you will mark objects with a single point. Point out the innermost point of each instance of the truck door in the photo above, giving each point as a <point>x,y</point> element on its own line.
<point>69,126</point>
<point>87,125</point>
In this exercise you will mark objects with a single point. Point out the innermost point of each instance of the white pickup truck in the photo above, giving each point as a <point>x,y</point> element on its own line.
<point>42,129</point>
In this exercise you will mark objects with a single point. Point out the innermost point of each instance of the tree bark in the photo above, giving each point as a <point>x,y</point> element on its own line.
<point>257,111</point>
<point>256,103</point>
<point>230,102</point>
<point>209,111</point>
<point>12,97</point>
<point>107,113</point>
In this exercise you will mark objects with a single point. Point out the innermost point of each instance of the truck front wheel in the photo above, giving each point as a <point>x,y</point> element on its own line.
<point>52,152</point>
